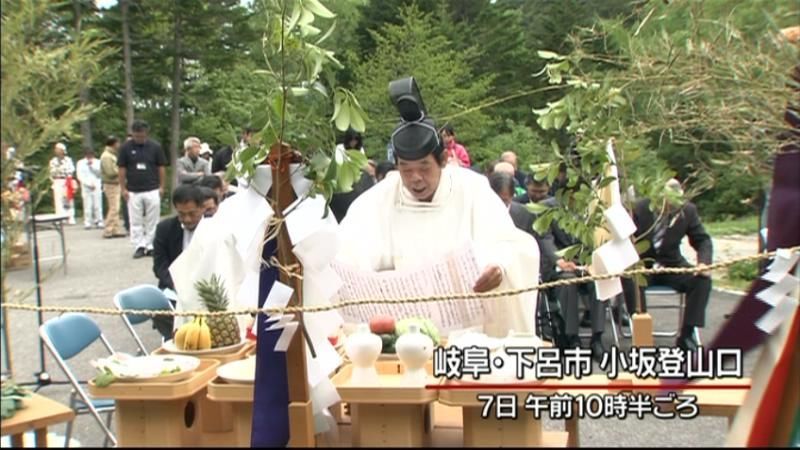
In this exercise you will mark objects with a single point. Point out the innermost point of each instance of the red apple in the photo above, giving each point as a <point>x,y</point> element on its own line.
<point>382,324</point>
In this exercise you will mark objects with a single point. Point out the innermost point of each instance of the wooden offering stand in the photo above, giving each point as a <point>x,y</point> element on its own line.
<point>152,414</point>
<point>239,400</point>
<point>391,413</point>
<point>524,431</point>
<point>219,416</point>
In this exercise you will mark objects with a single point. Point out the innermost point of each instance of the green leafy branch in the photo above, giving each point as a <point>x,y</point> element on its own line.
<point>304,104</point>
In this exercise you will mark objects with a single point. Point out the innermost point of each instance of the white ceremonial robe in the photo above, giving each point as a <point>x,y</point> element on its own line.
<point>230,245</point>
<point>387,229</point>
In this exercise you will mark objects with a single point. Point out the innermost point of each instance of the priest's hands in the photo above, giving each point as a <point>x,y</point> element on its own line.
<point>491,277</point>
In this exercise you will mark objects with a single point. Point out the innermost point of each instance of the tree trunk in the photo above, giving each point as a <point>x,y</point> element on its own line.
<point>86,125</point>
<point>126,55</point>
<point>177,76</point>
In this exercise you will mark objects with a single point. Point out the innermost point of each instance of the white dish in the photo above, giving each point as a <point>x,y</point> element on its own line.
<point>170,347</point>
<point>522,340</point>
<point>160,368</point>
<point>241,371</point>
<point>472,338</point>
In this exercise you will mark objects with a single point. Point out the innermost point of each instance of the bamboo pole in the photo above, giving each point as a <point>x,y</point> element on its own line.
<point>282,194</point>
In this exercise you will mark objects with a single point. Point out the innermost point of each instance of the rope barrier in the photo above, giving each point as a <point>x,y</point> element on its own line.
<point>435,298</point>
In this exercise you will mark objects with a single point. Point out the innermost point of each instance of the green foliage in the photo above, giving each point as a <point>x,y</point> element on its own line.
<point>11,399</point>
<point>745,271</point>
<point>418,47</point>
<point>297,107</point>
<point>649,82</point>
<point>747,225</point>
<point>225,99</point>
<point>521,139</point>
<point>41,79</point>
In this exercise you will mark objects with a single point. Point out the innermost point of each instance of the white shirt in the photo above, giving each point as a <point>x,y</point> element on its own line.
<point>187,237</point>
<point>89,174</point>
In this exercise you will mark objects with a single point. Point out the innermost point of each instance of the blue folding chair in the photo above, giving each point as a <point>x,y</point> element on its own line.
<point>65,337</point>
<point>142,297</point>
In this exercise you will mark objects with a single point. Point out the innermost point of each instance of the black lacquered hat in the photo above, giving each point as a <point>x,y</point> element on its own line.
<point>416,136</point>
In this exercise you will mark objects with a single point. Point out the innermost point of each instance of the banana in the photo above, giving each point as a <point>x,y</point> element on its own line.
<point>180,336</point>
<point>191,336</point>
<point>204,338</point>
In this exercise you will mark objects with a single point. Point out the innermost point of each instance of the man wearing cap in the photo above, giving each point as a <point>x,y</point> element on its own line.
<point>191,167</point>
<point>206,153</point>
<point>665,231</point>
<point>426,209</point>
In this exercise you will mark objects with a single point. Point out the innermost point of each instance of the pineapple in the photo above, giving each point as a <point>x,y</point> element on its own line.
<point>224,329</point>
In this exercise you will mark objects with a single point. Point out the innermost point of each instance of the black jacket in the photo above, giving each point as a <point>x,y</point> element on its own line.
<point>167,246</point>
<point>523,219</point>
<point>340,202</point>
<point>686,223</point>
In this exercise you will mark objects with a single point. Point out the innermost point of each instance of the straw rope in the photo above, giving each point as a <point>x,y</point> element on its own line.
<point>435,298</point>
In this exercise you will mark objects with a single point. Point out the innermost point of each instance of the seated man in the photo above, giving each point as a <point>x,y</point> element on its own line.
<point>172,236</point>
<point>535,191</point>
<point>665,234</point>
<point>341,201</point>
<point>213,182</point>
<point>210,201</point>
<point>569,296</point>
<point>425,210</point>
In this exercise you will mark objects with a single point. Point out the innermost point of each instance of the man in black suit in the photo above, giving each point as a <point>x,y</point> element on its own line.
<point>568,296</point>
<point>665,233</point>
<point>535,191</point>
<point>341,201</point>
<point>173,234</point>
<point>554,267</point>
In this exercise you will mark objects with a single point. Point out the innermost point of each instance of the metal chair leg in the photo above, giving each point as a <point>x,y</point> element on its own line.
<point>623,312</point>
<point>68,433</point>
<point>610,315</point>
<point>109,416</point>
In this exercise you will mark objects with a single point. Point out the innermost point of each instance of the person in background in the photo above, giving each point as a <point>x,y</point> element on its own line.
<point>224,156</point>
<point>172,236</point>
<point>62,171</point>
<point>511,158</point>
<point>352,141</point>
<point>341,201</point>
<point>191,167</point>
<point>665,231</point>
<point>456,153</point>
<point>382,169</point>
<point>206,153</point>
<point>90,177</point>
<point>142,175</point>
<point>371,167</point>
<point>535,191</point>
<point>210,201</point>
<point>569,296</point>
<point>213,182</point>
<point>110,176</point>
<point>506,167</point>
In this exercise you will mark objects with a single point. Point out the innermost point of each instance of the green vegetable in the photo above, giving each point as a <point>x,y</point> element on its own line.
<point>169,371</point>
<point>104,379</point>
<point>11,399</point>
<point>389,340</point>
<point>426,327</point>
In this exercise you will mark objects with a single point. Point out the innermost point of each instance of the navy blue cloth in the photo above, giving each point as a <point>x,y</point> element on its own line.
<point>271,390</point>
